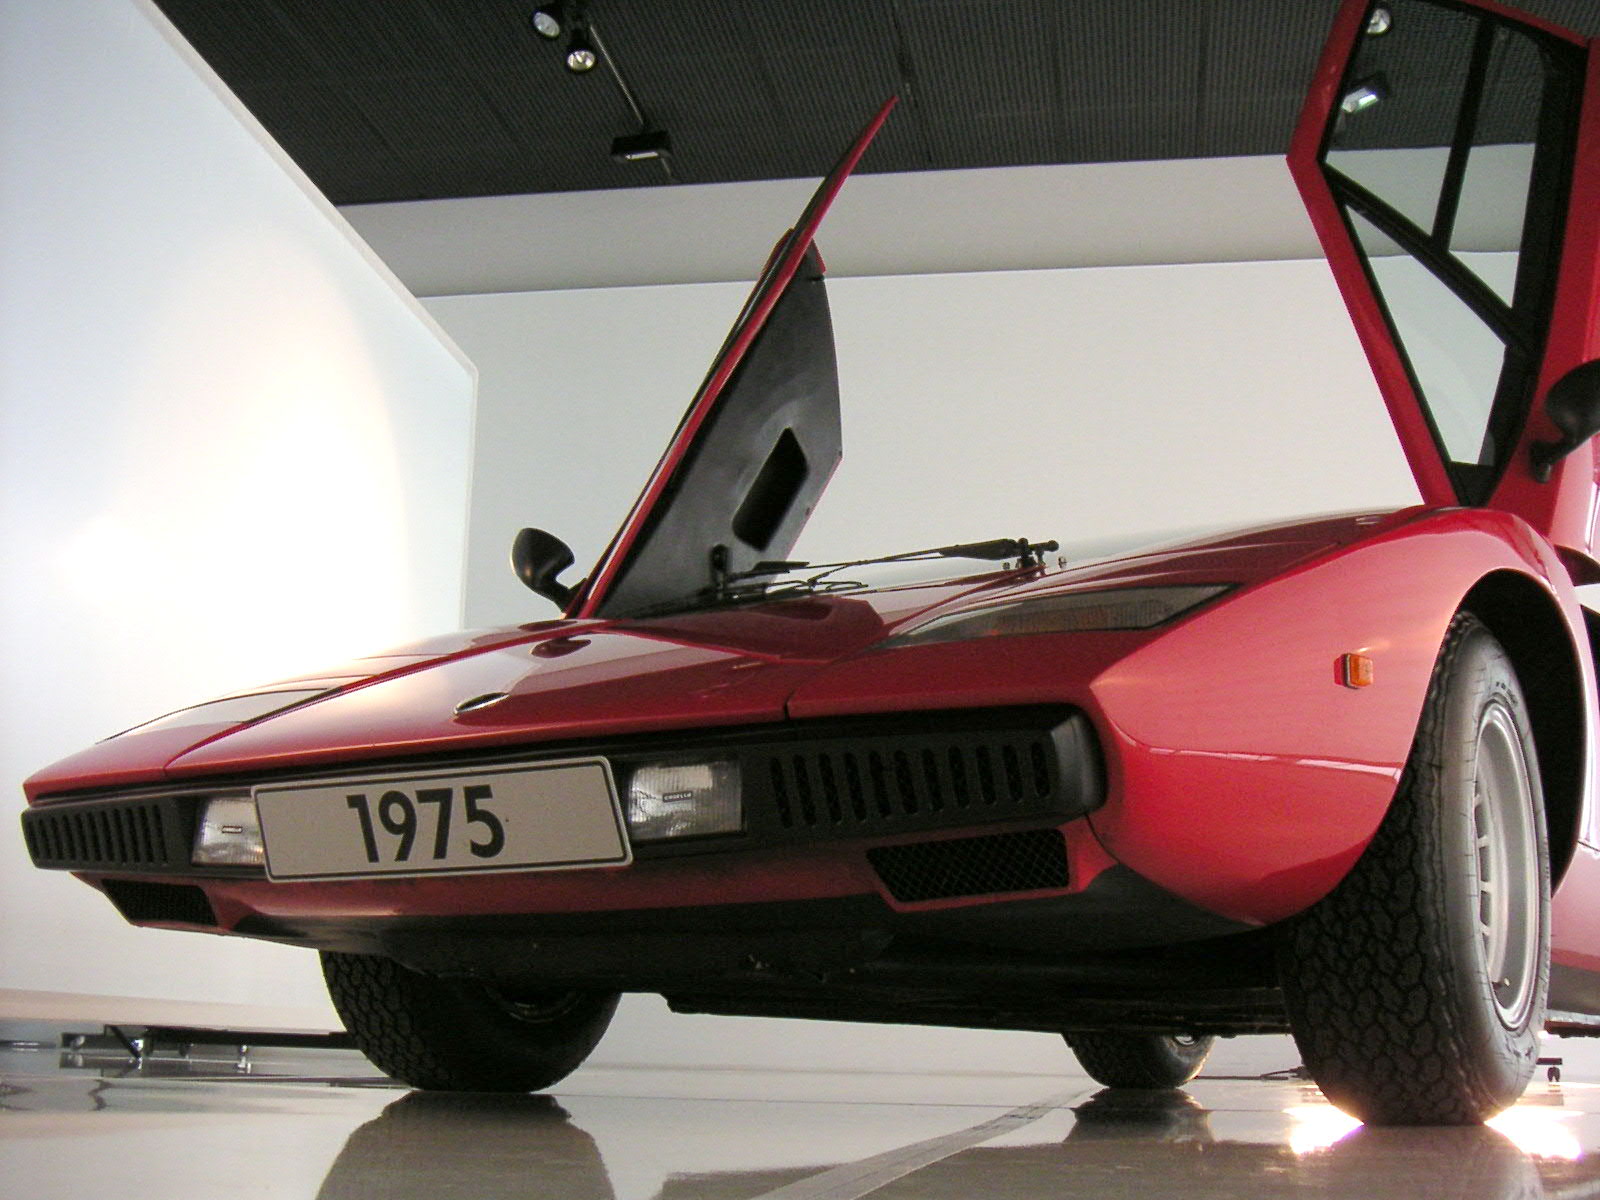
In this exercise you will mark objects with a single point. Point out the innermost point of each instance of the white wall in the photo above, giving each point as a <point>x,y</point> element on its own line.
<point>1068,404</point>
<point>232,447</point>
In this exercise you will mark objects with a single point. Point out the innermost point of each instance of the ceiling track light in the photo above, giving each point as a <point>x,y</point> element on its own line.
<point>581,54</point>
<point>641,146</point>
<point>548,20</point>
<point>585,50</point>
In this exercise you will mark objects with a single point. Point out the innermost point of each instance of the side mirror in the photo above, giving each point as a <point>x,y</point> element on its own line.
<point>538,557</point>
<point>1573,403</point>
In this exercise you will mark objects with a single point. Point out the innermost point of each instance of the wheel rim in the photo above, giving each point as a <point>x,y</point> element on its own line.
<point>1506,860</point>
<point>535,1008</point>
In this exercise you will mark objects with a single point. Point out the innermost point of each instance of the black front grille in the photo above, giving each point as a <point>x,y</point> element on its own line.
<point>1029,861</point>
<point>943,772</point>
<point>181,903</point>
<point>896,780</point>
<point>130,835</point>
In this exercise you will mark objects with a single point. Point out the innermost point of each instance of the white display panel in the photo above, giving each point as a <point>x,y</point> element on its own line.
<point>232,448</point>
<point>1069,404</point>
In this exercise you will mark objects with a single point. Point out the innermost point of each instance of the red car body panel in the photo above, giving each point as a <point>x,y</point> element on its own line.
<point>1242,776</point>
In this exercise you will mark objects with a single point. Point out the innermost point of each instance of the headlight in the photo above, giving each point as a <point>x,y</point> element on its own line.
<point>1072,612</point>
<point>229,834</point>
<point>671,800</point>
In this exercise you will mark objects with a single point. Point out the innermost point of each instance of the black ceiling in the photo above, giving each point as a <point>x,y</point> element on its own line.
<point>422,99</point>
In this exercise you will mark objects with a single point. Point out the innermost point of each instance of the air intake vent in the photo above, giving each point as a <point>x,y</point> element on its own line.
<point>874,784</point>
<point>1030,861</point>
<point>182,903</point>
<point>103,836</point>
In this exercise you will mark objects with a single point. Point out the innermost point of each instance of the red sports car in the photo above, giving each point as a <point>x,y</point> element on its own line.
<point>1332,777</point>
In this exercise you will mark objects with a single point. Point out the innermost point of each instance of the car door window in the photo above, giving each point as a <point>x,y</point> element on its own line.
<point>1449,154</point>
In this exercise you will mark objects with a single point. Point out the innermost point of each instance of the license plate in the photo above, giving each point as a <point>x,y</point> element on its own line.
<point>528,818</point>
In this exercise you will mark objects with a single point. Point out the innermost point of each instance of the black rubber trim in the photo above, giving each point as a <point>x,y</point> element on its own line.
<point>804,782</point>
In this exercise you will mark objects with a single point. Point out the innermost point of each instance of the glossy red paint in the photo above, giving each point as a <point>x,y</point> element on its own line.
<point>722,668</point>
<point>1246,780</point>
<point>139,755</point>
<point>804,873</point>
<point>1242,777</point>
<point>1565,508</point>
<point>1575,914</point>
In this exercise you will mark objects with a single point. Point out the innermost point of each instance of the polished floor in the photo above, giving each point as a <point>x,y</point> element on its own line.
<point>321,1124</point>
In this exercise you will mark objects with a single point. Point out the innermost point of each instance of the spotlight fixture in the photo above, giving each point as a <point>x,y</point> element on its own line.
<point>641,146</point>
<point>1372,90</point>
<point>581,54</point>
<point>549,19</point>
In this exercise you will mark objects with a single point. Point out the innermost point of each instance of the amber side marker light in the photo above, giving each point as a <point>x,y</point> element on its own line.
<point>1353,670</point>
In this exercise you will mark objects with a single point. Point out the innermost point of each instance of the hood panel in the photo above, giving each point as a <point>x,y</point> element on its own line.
<point>804,657</point>
<point>1006,671</point>
<point>593,685</point>
<point>758,444</point>
<point>139,755</point>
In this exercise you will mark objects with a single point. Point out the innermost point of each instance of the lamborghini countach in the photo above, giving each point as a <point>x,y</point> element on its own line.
<point>1331,776</point>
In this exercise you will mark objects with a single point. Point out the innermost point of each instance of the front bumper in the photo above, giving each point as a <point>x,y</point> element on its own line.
<point>897,788</point>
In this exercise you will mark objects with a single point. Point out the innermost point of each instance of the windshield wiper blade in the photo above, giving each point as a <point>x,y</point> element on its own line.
<point>1029,554</point>
<point>759,582</point>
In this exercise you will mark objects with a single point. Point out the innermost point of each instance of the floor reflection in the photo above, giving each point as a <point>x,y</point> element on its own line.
<point>1129,1144</point>
<point>425,1146</point>
<point>326,1127</point>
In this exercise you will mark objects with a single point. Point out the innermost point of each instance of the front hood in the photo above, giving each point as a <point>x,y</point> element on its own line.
<point>140,754</point>
<point>568,680</point>
<point>734,666</point>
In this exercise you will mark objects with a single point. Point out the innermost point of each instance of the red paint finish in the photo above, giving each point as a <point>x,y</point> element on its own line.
<point>804,873</point>
<point>615,682</point>
<point>1575,913</point>
<point>1242,776</point>
<point>1245,778</point>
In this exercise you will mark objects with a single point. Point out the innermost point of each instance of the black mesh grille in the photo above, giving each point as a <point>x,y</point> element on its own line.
<point>891,782</point>
<point>129,835</point>
<point>180,902</point>
<point>977,866</point>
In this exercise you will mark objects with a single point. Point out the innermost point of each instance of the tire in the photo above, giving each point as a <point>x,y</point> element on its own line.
<point>1140,1060</point>
<point>458,1035</point>
<point>1416,989</point>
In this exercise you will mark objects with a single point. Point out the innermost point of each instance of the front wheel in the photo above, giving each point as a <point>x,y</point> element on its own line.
<point>1416,989</point>
<point>1140,1060</point>
<point>458,1035</point>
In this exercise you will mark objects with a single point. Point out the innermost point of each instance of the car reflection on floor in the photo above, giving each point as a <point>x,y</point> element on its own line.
<point>429,1145</point>
<point>325,1125</point>
<point>1118,1144</point>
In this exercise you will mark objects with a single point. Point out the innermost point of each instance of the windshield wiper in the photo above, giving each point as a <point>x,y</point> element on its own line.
<point>760,581</point>
<point>1027,554</point>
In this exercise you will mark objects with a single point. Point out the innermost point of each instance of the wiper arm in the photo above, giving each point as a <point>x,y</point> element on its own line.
<point>1028,554</point>
<point>758,582</point>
